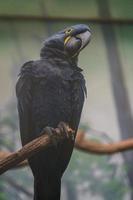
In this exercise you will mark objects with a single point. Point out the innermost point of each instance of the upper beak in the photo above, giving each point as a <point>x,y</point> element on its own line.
<point>85,38</point>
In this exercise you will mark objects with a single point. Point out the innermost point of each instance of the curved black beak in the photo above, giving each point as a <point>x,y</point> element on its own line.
<point>74,44</point>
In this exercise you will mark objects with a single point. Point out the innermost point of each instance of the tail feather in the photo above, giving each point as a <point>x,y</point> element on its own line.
<point>47,175</point>
<point>47,188</point>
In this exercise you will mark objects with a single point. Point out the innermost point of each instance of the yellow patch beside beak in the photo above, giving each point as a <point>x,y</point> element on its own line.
<point>67,39</point>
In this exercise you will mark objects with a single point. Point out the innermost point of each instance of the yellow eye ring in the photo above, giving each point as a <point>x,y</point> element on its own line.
<point>68,30</point>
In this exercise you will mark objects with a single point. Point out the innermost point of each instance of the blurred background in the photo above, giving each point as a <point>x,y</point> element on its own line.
<point>108,68</point>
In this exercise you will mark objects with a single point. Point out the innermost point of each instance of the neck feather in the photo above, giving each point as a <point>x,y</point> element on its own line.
<point>57,54</point>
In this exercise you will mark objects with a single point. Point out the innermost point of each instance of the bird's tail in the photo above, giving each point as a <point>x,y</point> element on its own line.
<point>47,188</point>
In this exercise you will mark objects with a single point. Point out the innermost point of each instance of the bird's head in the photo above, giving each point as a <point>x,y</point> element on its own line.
<point>70,41</point>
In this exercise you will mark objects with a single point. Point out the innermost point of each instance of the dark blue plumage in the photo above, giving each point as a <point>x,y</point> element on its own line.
<point>51,90</point>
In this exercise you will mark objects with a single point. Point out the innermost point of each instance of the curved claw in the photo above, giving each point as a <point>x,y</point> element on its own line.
<point>51,131</point>
<point>63,128</point>
<point>66,130</point>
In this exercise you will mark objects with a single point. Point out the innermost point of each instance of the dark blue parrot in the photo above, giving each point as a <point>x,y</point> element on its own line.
<point>51,91</point>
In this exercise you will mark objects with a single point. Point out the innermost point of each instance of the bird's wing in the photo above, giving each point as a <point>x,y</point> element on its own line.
<point>24,96</point>
<point>78,95</point>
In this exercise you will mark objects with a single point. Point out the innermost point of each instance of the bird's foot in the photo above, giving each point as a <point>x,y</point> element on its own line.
<point>52,134</point>
<point>66,131</point>
<point>63,131</point>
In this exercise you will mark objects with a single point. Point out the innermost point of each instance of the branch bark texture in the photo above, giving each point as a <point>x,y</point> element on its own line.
<point>17,159</point>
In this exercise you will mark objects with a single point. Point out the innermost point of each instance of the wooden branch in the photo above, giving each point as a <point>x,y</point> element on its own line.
<point>89,146</point>
<point>28,150</point>
<point>18,159</point>
<point>31,148</point>
<point>4,154</point>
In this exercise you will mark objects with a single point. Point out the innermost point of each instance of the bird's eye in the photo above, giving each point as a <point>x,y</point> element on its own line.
<point>68,30</point>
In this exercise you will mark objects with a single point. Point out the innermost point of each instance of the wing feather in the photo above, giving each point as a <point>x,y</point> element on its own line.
<point>24,97</point>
